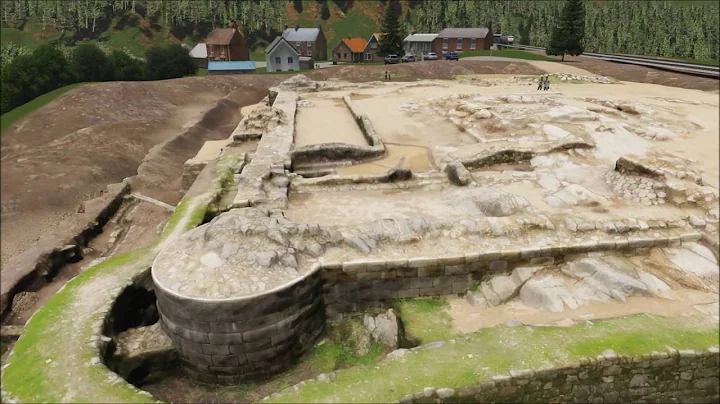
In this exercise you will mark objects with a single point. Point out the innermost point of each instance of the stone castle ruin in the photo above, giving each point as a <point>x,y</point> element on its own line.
<point>548,201</point>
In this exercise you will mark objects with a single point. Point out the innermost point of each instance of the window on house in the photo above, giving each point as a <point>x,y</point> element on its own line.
<point>337,56</point>
<point>308,44</point>
<point>368,56</point>
<point>309,52</point>
<point>277,60</point>
<point>445,43</point>
<point>290,60</point>
<point>459,44</point>
<point>344,55</point>
<point>472,43</point>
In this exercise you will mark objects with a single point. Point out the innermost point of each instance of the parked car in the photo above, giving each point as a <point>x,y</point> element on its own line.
<point>430,56</point>
<point>408,58</point>
<point>451,56</point>
<point>392,59</point>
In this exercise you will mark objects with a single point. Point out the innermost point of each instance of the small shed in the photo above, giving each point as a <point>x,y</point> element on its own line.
<point>306,63</point>
<point>281,56</point>
<point>199,55</point>
<point>217,67</point>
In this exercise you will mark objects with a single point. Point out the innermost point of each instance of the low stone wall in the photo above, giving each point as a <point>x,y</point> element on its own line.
<point>356,285</point>
<point>335,151</point>
<point>364,123</point>
<point>685,376</point>
<point>493,157</point>
<point>497,155</point>
<point>245,338</point>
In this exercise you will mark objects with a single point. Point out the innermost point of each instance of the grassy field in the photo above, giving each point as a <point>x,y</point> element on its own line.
<point>10,117</point>
<point>513,54</point>
<point>472,358</point>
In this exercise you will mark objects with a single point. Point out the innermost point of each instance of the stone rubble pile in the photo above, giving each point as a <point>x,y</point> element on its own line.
<point>588,279</point>
<point>576,77</point>
<point>263,118</point>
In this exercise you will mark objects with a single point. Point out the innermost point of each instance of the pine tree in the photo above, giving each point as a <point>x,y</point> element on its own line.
<point>391,42</point>
<point>568,35</point>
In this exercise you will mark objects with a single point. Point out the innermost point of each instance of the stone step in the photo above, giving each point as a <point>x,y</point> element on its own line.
<point>9,333</point>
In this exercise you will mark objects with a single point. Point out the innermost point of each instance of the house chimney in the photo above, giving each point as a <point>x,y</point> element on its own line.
<point>297,27</point>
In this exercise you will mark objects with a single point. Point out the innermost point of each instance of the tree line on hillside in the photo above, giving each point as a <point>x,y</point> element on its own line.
<point>26,75</point>
<point>661,27</point>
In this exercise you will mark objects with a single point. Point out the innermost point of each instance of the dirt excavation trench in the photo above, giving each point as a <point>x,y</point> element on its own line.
<point>326,120</point>
<point>148,148</point>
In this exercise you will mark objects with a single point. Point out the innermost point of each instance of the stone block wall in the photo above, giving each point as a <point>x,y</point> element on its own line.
<point>356,285</point>
<point>225,341</point>
<point>684,376</point>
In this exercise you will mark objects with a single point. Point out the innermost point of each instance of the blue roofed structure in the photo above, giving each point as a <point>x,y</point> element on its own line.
<point>232,67</point>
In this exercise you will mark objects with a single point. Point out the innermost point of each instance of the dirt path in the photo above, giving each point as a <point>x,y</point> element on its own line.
<point>57,347</point>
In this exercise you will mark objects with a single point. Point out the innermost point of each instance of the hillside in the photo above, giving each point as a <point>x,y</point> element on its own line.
<point>134,32</point>
<point>673,29</point>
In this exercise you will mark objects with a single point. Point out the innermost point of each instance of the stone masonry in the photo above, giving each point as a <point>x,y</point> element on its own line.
<point>684,376</point>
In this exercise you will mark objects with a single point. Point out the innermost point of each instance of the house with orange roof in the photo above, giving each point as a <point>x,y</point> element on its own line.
<point>370,53</point>
<point>349,50</point>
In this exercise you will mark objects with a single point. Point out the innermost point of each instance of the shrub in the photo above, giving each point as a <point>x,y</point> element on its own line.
<point>30,75</point>
<point>17,82</point>
<point>169,62</point>
<point>50,68</point>
<point>89,64</point>
<point>126,68</point>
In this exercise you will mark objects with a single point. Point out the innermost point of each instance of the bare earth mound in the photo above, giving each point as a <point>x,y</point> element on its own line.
<point>70,150</point>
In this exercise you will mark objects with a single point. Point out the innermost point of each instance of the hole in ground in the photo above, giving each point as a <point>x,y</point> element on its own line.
<point>135,307</point>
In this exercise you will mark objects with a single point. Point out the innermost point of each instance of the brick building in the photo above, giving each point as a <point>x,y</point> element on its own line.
<point>462,39</point>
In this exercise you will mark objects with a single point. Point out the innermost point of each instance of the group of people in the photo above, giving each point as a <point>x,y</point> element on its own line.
<point>543,83</point>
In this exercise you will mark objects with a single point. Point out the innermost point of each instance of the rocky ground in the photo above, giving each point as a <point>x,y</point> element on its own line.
<point>517,169</point>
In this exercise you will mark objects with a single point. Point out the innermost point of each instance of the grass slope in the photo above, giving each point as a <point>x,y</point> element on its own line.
<point>476,357</point>
<point>425,320</point>
<point>10,117</point>
<point>55,339</point>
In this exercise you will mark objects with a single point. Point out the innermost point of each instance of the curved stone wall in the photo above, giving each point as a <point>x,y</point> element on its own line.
<point>228,340</point>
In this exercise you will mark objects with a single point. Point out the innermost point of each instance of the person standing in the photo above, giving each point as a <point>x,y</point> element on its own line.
<point>547,83</point>
<point>540,83</point>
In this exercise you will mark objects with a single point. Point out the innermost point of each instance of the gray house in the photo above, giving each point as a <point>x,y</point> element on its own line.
<point>281,56</point>
<point>419,44</point>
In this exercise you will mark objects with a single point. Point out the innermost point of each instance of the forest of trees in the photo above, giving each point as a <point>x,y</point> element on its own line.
<point>659,27</point>
<point>656,28</point>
